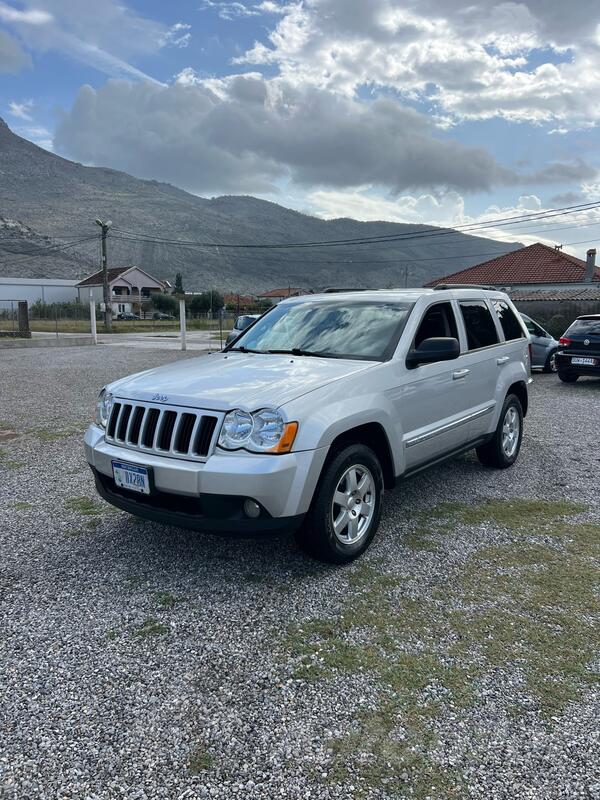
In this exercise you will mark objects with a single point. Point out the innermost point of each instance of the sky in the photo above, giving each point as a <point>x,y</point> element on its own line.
<point>430,111</point>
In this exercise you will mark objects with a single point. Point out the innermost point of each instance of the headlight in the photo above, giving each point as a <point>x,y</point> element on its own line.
<point>263,431</point>
<point>104,407</point>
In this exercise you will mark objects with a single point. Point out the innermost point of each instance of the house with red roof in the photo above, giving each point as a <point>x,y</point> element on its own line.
<point>128,287</point>
<point>536,267</point>
<point>275,296</point>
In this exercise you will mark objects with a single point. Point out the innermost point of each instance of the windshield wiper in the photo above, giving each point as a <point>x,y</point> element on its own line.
<point>297,351</point>
<point>242,349</point>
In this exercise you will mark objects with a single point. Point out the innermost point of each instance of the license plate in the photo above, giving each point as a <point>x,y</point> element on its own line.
<point>128,476</point>
<point>584,362</point>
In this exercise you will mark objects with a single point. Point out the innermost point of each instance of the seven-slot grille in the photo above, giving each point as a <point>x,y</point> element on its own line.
<point>162,430</point>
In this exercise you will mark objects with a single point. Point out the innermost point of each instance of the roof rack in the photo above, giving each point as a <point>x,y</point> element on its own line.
<point>466,286</point>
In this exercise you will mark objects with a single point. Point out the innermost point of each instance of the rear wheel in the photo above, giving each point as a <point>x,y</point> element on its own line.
<point>346,509</point>
<point>550,365</point>
<point>502,450</point>
<point>567,377</point>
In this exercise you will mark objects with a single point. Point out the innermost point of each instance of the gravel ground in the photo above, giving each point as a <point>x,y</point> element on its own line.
<point>140,661</point>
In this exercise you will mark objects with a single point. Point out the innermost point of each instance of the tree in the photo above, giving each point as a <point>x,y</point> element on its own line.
<point>165,303</point>
<point>179,284</point>
<point>201,303</point>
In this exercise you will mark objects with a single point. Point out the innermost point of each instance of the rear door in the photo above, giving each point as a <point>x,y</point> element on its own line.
<point>482,358</point>
<point>540,342</point>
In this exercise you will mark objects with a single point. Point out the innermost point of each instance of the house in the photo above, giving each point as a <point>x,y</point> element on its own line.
<point>275,296</point>
<point>537,266</point>
<point>129,287</point>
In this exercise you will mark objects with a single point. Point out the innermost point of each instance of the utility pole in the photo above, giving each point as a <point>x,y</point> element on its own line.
<point>106,294</point>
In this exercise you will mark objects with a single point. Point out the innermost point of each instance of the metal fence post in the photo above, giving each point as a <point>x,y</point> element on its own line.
<point>93,318</point>
<point>182,322</point>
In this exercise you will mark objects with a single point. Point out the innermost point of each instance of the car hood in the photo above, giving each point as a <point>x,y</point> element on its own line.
<point>223,381</point>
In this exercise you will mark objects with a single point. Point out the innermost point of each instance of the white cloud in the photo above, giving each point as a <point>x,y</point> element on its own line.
<point>178,35</point>
<point>231,10</point>
<point>12,56</point>
<point>107,38</point>
<point>31,16</point>
<point>21,110</point>
<point>473,62</point>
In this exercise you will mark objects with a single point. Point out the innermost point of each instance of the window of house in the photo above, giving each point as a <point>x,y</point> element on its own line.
<point>438,320</point>
<point>479,324</point>
<point>510,324</point>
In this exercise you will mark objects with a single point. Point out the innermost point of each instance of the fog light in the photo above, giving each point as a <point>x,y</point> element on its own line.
<point>251,509</point>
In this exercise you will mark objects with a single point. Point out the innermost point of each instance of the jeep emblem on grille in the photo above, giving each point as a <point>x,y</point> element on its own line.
<point>586,341</point>
<point>159,398</point>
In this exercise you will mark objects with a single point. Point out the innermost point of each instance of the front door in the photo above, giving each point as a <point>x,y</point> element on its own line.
<point>434,400</point>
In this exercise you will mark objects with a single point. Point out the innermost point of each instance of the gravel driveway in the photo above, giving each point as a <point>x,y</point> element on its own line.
<point>139,661</point>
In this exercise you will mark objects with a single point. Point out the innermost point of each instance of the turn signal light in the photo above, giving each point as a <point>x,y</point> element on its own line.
<point>565,341</point>
<point>284,445</point>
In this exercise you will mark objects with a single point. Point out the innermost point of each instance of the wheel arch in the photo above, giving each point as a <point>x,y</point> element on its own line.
<point>373,435</point>
<point>519,388</point>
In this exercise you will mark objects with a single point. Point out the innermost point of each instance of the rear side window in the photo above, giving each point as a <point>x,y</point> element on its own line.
<point>510,324</point>
<point>589,327</point>
<point>479,323</point>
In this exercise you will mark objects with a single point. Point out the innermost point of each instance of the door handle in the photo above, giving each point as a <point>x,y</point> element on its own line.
<point>502,360</point>
<point>460,373</point>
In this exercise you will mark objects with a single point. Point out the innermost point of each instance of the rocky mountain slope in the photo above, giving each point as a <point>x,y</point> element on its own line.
<point>48,206</point>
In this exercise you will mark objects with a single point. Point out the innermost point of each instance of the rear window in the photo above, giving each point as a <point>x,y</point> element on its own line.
<point>590,327</point>
<point>480,326</point>
<point>510,324</point>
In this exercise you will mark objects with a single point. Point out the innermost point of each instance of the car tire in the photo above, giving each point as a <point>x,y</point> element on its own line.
<point>503,448</point>
<point>550,365</point>
<point>339,533</point>
<point>567,377</point>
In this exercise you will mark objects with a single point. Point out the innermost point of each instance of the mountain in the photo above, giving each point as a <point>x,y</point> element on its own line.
<point>48,206</point>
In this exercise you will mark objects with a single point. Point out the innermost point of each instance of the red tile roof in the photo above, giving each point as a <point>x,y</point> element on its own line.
<point>536,263</point>
<point>96,278</point>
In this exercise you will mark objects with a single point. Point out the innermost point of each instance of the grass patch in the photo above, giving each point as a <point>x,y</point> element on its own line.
<point>151,627</point>
<point>525,606</point>
<point>200,761</point>
<point>166,599</point>
<point>8,463</point>
<point>52,434</point>
<point>83,506</point>
<point>20,505</point>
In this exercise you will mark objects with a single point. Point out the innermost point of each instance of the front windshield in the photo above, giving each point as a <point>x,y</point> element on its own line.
<point>336,329</point>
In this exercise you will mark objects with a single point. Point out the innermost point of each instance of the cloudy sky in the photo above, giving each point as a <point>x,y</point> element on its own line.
<point>438,111</point>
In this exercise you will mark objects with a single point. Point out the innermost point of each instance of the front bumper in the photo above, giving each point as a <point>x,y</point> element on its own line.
<point>209,495</point>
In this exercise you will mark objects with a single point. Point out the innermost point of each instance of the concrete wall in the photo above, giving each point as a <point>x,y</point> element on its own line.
<point>557,315</point>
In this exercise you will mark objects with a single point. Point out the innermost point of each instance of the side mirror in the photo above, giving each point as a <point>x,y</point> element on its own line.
<point>438,348</point>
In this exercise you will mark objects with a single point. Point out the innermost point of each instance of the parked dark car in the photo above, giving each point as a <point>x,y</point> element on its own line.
<point>126,315</point>
<point>240,325</point>
<point>579,349</point>
<point>543,346</point>
<point>162,315</point>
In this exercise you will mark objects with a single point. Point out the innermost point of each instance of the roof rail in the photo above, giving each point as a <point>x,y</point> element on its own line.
<point>466,286</point>
<point>335,290</point>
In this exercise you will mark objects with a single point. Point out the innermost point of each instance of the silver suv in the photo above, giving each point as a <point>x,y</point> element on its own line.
<point>316,408</point>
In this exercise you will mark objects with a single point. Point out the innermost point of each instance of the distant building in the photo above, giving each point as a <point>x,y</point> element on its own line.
<point>535,267</point>
<point>275,296</point>
<point>46,290</point>
<point>129,287</point>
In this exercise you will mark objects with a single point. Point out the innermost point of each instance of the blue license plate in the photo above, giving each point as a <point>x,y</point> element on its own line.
<point>129,476</point>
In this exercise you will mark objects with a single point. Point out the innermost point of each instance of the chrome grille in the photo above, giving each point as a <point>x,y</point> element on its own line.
<point>166,431</point>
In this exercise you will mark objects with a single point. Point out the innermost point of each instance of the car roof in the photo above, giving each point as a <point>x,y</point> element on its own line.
<point>387,295</point>
<point>589,316</point>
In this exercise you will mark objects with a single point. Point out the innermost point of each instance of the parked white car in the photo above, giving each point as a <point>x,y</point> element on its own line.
<point>313,411</point>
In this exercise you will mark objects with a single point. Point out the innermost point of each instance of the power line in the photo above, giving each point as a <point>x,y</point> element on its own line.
<point>57,249</point>
<point>427,233</point>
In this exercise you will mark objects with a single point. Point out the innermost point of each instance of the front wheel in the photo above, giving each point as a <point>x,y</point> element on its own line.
<point>346,509</point>
<point>502,450</point>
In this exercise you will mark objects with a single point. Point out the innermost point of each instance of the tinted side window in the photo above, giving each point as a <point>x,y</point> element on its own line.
<point>510,324</point>
<point>481,330</point>
<point>438,321</point>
